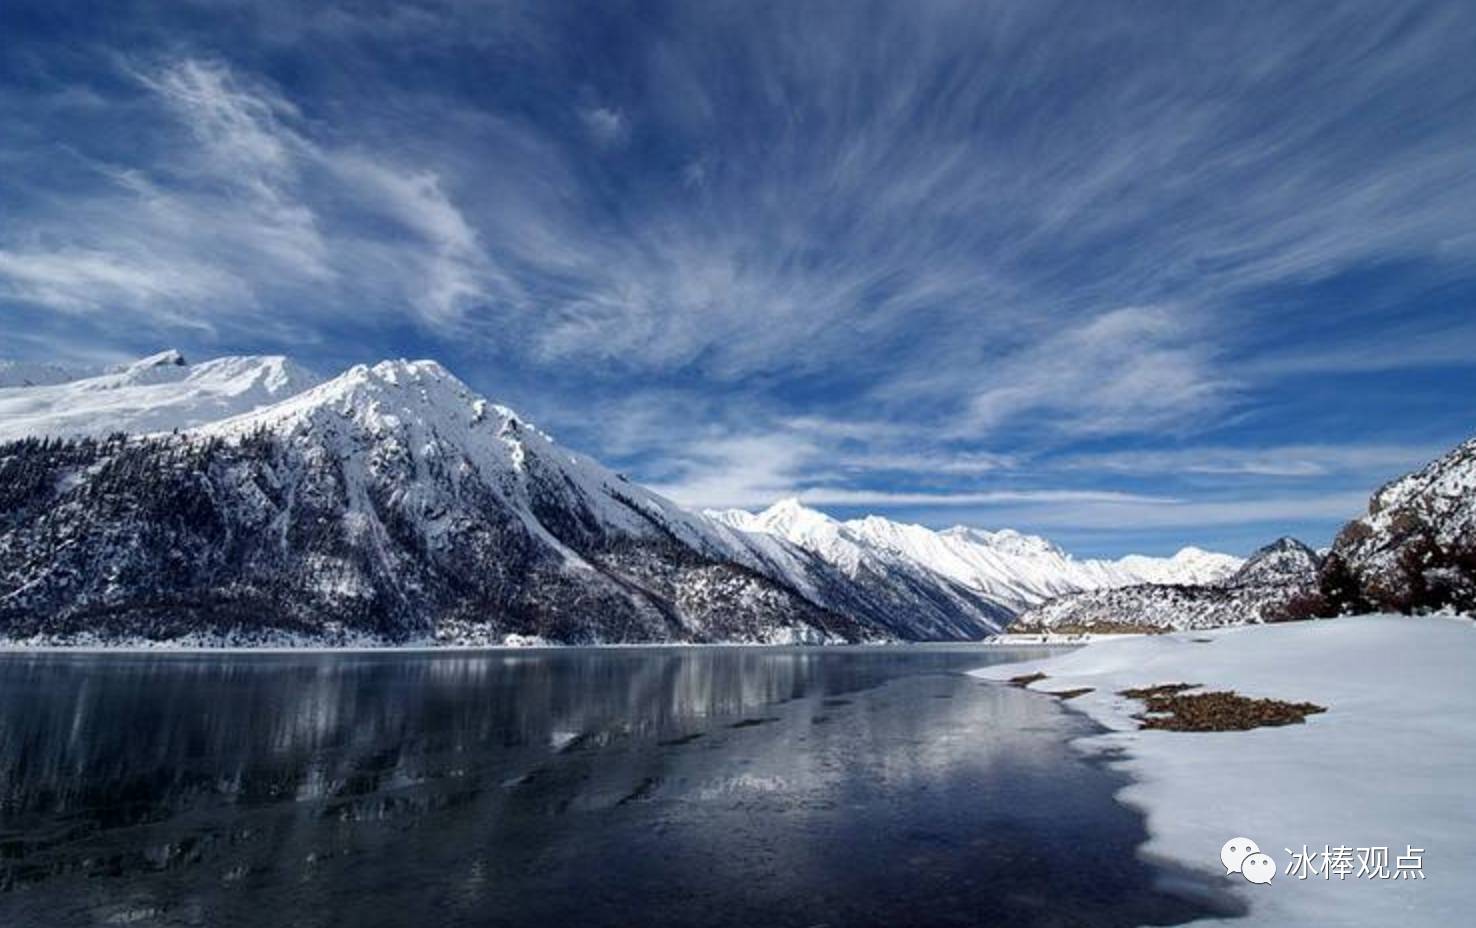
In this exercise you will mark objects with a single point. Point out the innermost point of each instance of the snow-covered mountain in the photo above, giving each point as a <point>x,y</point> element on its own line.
<point>1284,562</point>
<point>1008,567</point>
<point>898,586</point>
<point>1271,585</point>
<point>159,393</point>
<point>1415,549</point>
<point>393,504</point>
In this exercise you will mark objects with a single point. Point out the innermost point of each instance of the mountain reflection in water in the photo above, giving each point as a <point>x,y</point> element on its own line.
<point>709,786</point>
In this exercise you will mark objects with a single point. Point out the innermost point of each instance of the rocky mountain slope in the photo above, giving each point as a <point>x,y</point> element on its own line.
<point>159,393</point>
<point>393,504</point>
<point>1007,567</point>
<point>1272,584</point>
<point>1415,549</point>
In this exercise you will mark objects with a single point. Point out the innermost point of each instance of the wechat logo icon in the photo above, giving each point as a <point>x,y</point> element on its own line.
<point>1243,856</point>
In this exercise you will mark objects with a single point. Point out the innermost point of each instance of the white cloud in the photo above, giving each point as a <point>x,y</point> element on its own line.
<point>1413,344</point>
<point>936,462</point>
<point>605,125</point>
<point>454,268</point>
<point>246,150</point>
<point>240,128</point>
<point>79,279</point>
<point>1281,461</point>
<point>833,233</point>
<point>1129,370</point>
<point>854,211</point>
<point>753,471</point>
<point>235,220</point>
<point>1047,496</point>
<point>1131,515</point>
<point>739,471</point>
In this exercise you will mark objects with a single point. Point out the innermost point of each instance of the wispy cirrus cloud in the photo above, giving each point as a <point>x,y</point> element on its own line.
<point>751,472</point>
<point>247,210</point>
<point>74,279</point>
<point>1137,515</point>
<point>1130,369</point>
<point>1296,461</point>
<point>934,250</point>
<point>606,126</point>
<point>739,471</point>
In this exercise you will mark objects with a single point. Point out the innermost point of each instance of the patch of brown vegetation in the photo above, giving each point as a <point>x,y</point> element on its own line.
<point>1162,689</point>
<point>1026,679</point>
<point>1071,694</point>
<point>1220,711</point>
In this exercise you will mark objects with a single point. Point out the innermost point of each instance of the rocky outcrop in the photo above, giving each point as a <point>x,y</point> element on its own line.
<point>1415,549</point>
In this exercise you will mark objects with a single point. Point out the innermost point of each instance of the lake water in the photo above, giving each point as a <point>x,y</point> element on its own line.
<point>620,787</point>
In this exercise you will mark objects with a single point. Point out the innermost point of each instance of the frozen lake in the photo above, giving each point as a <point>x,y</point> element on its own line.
<point>643,786</point>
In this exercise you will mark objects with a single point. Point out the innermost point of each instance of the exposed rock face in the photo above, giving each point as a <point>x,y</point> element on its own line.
<point>1415,550</point>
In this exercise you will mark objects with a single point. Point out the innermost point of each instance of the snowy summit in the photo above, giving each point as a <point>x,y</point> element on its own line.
<point>1011,568</point>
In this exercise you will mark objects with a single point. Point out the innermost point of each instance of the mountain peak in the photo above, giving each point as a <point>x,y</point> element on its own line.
<point>383,398</point>
<point>399,376</point>
<point>789,516</point>
<point>1007,540</point>
<point>789,504</point>
<point>171,357</point>
<point>164,367</point>
<point>394,371</point>
<point>1285,543</point>
<point>1285,562</point>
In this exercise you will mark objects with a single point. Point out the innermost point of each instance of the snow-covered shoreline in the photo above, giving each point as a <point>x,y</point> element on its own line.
<point>1054,639</point>
<point>1388,765</point>
<point>169,647</point>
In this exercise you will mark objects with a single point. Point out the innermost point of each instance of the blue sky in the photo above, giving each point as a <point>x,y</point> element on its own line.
<point>1132,275</point>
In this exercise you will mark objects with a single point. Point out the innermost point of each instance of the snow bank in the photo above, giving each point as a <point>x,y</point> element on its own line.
<point>1389,764</point>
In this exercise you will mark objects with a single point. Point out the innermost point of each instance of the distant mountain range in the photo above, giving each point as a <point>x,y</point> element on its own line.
<point>1414,551</point>
<point>1007,567</point>
<point>241,500</point>
<point>244,500</point>
<point>1268,587</point>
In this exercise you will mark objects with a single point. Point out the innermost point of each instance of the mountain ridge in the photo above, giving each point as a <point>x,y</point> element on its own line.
<point>428,512</point>
<point>395,503</point>
<point>160,393</point>
<point>1012,568</point>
